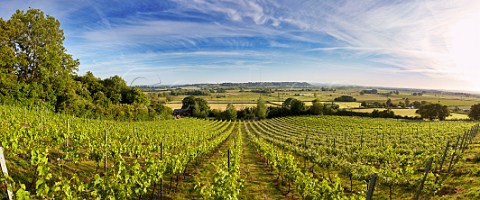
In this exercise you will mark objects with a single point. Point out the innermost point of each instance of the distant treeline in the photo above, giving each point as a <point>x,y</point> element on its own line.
<point>198,107</point>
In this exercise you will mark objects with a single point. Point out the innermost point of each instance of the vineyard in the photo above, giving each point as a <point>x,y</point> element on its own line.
<point>50,155</point>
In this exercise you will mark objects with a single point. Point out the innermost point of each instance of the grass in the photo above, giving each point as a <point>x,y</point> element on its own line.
<point>204,171</point>
<point>258,179</point>
<point>464,181</point>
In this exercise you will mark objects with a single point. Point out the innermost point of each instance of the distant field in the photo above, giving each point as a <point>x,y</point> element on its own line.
<point>458,116</point>
<point>278,96</point>
<point>409,112</point>
<point>222,106</point>
<point>240,104</point>
<point>402,112</point>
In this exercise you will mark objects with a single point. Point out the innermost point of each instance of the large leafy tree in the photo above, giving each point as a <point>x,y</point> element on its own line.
<point>196,106</point>
<point>7,59</point>
<point>433,111</point>
<point>32,51</point>
<point>295,106</point>
<point>475,112</point>
<point>38,44</point>
<point>36,68</point>
<point>114,86</point>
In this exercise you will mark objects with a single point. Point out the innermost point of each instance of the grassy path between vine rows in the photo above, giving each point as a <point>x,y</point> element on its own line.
<point>464,180</point>
<point>205,170</point>
<point>258,179</point>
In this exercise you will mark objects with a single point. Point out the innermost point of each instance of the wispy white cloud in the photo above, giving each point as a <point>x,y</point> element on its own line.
<point>398,37</point>
<point>409,35</point>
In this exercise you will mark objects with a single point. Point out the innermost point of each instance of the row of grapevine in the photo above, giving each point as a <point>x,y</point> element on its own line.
<point>291,174</point>
<point>52,155</point>
<point>359,152</point>
<point>226,183</point>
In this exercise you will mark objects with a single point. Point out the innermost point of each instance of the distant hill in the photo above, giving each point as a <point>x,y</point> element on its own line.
<point>238,85</point>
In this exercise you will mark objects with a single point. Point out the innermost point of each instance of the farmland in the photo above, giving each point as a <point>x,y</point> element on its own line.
<point>457,102</point>
<point>54,155</point>
<point>175,100</point>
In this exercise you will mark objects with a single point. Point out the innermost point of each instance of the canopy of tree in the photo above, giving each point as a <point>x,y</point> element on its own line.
<point>433,111</point>
<point>474,112</point>
<point>294,106</point>
<point>230,113</point>
<point>35,69</point>
<point>372,91</point>
<point>345,99</point>
<point>196,106</point>
<point>262,110</point>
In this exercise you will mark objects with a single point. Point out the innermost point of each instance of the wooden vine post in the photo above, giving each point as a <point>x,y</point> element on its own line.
<point>453,155</point>
<point>444,155</point>
<point>228,159</point>
<point>427,170</point>
<point>105,156</point>
<point>371,186</point>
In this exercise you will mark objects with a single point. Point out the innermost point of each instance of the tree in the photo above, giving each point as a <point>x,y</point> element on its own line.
<point>35,68</point>
<point>389,103</point>
<point>7,60</point>
<point>433,111</point>
<point>407,102</point>
<point>474,112</point>
<point>197,107</point>
<point>32,53</point>
<point>161,110</point>
<point>261,109</point>
<point>416,104</point>
<point>364,104</point>
<point>345,99</point>
<point>188,103</point>
<point>40,55</point>
<point>295,106</point>
<point>230,113</point>
<point>92,83</point>
<point>317,107</point>
<point>134,95</point>
<point>114,86</point>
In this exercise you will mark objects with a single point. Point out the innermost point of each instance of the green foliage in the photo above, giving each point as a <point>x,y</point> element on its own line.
<point>474,112</point>
<point>317,107</point>
<point>246,113</point>
<point>228,114</point>
<point>40,55</point>
<point>226,183</point>
<point>345,99</point>
<point>389,103</point>
<point>295,106</point>
<point>433,111</point>
<point>36,70</point>
<point>261,111</point>
<point>197,107</point>
<point>55,154</point>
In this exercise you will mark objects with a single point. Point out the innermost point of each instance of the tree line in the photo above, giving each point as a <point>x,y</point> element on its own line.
<point>36,70</point>
<point>198,107</point>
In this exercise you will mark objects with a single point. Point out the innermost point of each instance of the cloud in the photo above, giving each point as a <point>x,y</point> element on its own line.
<point>401,37</point>
<point>410,35</point>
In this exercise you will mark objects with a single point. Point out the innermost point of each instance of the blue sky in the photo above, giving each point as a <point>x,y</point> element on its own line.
<point>418,43</point>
